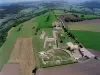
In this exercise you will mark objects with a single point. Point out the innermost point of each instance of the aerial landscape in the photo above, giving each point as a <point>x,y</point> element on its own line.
<point>54,37</point>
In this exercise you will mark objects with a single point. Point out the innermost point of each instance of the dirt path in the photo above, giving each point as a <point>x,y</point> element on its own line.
<point>23,54</point>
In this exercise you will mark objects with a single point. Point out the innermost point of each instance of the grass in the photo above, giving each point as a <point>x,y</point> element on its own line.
<point>89,39</point>
<point>6,49</point>
<point>59,11</point>
<point>37,46</point>
<point>45,20</point>
<point>48,31</point>
<point>27,30</point>
<point>63,54</point>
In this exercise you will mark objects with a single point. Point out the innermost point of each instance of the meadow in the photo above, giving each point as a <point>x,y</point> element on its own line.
<point>45,20</point>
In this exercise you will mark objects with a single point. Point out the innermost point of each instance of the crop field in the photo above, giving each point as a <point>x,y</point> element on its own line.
<point>48,39</point>
<point>21,31</point>
<point>88,39</point>
<point>88,25</point>
<point>28,30</point>
<point>88,16</point>
<point>59,12</point>
<point>88,33</point>
<point>23,54</point>
<point>24,30</point>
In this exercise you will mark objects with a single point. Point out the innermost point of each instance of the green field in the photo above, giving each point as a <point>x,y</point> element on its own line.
<point>45,20</point>
<point>89,39</point>
<point>59,11</point>
<point>87,32</point>
<point>6,49</point>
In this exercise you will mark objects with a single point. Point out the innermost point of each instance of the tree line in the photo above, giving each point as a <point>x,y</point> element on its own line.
<point>8,24</point>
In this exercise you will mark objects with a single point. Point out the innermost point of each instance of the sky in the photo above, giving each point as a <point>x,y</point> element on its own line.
<point>5,1</point>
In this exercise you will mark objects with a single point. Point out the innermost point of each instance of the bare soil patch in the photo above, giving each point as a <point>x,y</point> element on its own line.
<point>94,21</point>
<point>88,25</point>
<point>23,54</point>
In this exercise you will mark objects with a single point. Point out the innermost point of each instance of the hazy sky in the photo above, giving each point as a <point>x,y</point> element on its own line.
<point>5,1</point>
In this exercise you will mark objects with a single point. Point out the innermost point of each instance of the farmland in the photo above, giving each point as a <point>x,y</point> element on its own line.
<point>23,55</point>
<point>88,39</point>
<point>14,34</point>
<point>52,45</point>
<point>87,32</point>
<point>59,11</point>
<point>88,25</point>
<point>28,30</point>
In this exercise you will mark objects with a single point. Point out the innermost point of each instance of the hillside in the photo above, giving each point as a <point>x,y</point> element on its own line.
<point>23,30</point>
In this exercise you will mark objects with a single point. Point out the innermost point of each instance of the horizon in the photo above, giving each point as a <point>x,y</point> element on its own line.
<point>15,1</point>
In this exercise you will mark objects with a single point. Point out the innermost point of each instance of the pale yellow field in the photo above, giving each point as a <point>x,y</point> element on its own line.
<point>23,55</point>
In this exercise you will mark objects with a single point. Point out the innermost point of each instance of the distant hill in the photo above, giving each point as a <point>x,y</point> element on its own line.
<point>13,8</point>
<point>96,0</point>
<point>92,4</point>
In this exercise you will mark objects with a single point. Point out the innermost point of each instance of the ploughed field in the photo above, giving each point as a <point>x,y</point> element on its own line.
<point>88,25</point>
<point>87,32</point>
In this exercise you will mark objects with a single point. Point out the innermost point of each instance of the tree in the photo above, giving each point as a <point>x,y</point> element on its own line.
<point>49,5</point>
<point>82,16</point>
<point>2,15</point>
<point>91,5</point>
<point>71,7</point>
